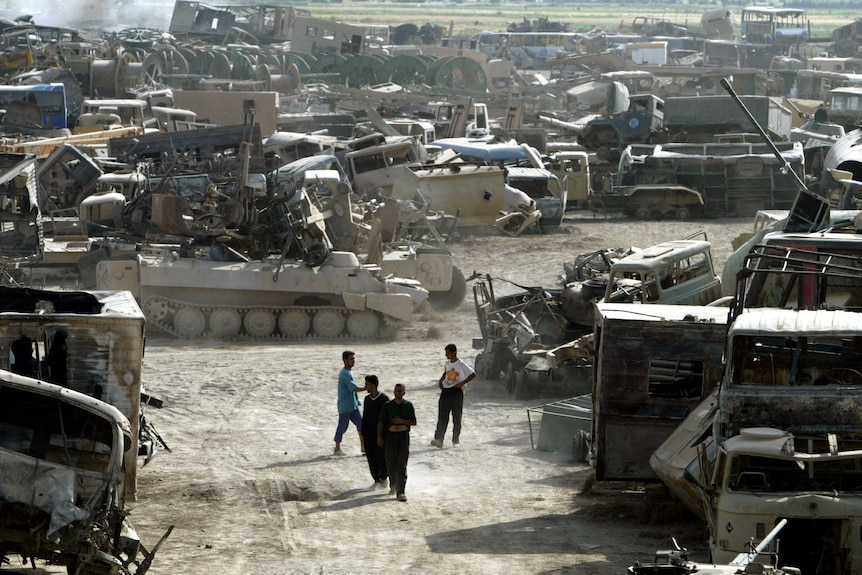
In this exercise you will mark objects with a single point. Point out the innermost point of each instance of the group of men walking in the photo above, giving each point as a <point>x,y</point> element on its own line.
<point>384,424</point>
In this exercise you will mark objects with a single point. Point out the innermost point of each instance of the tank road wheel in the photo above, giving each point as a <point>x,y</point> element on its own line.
<point>328,323</point>
<point>155,309</point>
<point>453,297</point>
<point>363,324</point>
<point>294,323</point>
<point>225,322</point>
<point>189,322</point>
<point>259,323</point>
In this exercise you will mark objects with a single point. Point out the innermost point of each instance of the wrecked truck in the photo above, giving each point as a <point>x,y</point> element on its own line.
<point>63,480</point>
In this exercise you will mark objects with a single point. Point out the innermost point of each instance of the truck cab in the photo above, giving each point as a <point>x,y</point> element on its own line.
<point>675,272</point>
<point>572,168</point>
<point>628,120</point>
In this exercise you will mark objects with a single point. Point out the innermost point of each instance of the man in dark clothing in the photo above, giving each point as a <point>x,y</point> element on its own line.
<point>820,115</point>
<point>393,433</point>
<point>372,406</point>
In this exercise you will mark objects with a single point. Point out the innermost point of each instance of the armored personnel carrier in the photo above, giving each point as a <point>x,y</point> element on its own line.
<point>191,297</point>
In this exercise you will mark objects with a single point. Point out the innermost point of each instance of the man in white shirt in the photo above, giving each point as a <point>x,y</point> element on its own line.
<point>456,374</point>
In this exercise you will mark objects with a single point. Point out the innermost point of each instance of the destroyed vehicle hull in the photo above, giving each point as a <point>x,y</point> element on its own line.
<point>62,478</point>
<point>194,297</point>
<point>653,365</point>
<point>473,193</point>
<point>520,332</point>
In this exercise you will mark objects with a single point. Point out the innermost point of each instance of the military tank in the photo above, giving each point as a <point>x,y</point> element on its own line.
<point>192,297</point>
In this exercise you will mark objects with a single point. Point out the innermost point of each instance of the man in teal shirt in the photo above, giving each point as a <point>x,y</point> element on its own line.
<point>348,401</point>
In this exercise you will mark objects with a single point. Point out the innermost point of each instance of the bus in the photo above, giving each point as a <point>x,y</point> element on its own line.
<point>541,46</point>
<point>51,99</point>
<point>774,26</point>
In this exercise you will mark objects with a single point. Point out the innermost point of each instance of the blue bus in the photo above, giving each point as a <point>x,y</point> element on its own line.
<point>51,99</point>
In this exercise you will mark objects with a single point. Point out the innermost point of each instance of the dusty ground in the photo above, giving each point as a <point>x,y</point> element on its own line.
<point>252,488</point>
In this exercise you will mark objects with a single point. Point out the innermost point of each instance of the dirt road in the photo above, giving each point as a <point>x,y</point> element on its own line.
<point>252,487</point>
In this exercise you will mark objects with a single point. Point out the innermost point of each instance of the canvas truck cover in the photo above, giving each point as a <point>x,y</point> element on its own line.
<point>721,114</point>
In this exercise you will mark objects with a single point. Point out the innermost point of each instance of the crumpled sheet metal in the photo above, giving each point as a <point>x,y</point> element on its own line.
<point>45,486</point>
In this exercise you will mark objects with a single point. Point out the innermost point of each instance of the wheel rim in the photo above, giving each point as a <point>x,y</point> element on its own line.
<point>259,323</point>
<point>363,324</point>
<point>225,322</point>
<point>328,323</point>
<point>189,322</point>
<point>294,323</point>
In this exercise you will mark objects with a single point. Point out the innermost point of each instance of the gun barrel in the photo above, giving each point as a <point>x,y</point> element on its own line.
<point>576,128</point>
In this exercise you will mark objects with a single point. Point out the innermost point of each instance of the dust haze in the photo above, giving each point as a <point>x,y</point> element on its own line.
<point>104,14</point>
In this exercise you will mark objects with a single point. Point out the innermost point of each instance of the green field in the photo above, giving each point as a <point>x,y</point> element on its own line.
<point>470,17</point>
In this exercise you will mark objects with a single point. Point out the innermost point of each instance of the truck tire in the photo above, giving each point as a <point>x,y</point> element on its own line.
<point>479,366</point>
<point>642,214</point>
<point>683,213</point>
<point>522,388</point>
<point>580,446</point>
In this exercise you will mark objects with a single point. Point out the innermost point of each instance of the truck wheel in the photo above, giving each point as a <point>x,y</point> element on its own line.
<point>479,366</point>
<point>683,214</point>
<point>603,153</point>
<point>581,446</point>
<point>642,214</point>
<point>453,297</point>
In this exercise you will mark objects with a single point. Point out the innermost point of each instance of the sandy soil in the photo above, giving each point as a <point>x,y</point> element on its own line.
<point>252,487</point>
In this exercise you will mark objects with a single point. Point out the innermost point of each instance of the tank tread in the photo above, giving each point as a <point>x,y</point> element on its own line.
<point>190,321</point>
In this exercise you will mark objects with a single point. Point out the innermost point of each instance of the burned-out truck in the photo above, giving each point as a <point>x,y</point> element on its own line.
<point>784,439</point>
<point>780,438</point>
